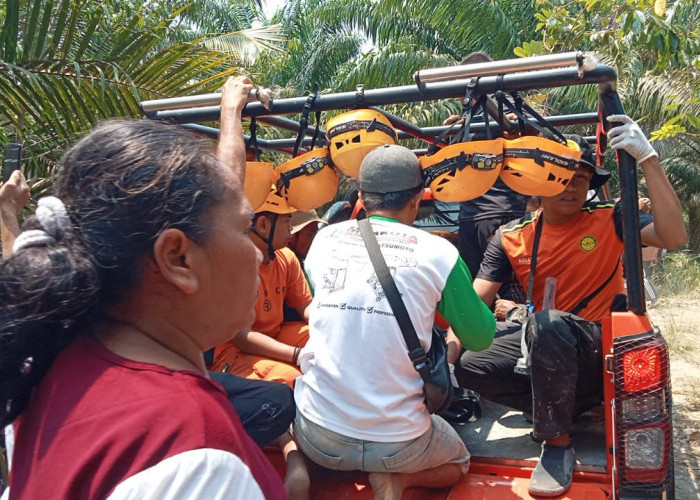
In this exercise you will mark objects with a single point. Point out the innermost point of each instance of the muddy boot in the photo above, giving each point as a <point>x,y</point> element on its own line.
<point>552,476</point>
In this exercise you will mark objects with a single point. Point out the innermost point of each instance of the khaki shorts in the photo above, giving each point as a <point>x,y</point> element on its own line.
<point>437,446</point>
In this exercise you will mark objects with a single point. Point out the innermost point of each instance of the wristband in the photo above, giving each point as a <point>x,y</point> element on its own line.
<point>295,356</point>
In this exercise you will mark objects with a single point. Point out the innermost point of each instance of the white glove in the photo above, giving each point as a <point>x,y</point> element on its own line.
<point>630,138</point>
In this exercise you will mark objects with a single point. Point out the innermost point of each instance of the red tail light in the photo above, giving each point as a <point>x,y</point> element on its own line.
<point>643,413</point>
<point>641,369</point>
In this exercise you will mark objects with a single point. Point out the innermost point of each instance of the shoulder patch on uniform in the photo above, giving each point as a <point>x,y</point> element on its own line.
<point>588,243</point>
<point>592,206</point>
<point>517,224</point>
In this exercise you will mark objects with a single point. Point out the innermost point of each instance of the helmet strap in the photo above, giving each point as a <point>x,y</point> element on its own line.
<point>270,237</point>
<point>270,248</point>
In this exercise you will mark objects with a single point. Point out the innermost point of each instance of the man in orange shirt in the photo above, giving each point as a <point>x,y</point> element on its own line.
<point>554,368</point>
<point>270,350</point>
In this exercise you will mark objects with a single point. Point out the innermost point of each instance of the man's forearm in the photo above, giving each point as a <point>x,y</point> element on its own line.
<point>259,344</point>
<point>666,208</point>
<point>231,149</point>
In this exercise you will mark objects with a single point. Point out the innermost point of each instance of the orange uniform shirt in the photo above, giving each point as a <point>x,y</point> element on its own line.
<point>581,254</point>
<point>281,280</point>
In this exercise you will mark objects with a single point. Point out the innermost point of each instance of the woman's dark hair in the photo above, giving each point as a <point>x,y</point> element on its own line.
<point>122,185</point>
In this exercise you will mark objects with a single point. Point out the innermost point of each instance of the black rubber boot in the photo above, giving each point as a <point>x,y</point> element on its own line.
<point>552,476</point>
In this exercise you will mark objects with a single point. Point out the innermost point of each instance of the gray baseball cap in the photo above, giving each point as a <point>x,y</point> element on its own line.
<point>388,169</point>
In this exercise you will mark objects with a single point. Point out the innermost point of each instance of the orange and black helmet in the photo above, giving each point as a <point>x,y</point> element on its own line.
<point>354,134</point>
<point>600,175</point>
<point>258,177</point>
<point>275,203</point>
<point>537,166</point>
<point>307,181</point>
<point>463,171</point>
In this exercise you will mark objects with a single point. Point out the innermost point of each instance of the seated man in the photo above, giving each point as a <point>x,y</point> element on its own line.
<point>580,245</point>
<point>360,403</point>
<point>304,228</point>
<point>270,350</point>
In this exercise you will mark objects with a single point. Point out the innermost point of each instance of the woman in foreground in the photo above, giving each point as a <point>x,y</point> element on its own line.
<point>115,287</point>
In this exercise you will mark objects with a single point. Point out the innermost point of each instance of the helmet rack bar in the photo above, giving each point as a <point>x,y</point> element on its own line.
<point>427,134</point>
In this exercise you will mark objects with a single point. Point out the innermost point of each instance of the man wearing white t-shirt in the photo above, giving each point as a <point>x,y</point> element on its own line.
<point>360,403</point>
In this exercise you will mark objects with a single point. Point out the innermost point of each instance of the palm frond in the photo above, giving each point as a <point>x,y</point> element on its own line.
<point>246,45</point>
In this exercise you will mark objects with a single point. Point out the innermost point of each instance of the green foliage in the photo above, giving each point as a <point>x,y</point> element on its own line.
<point>529,49</point>
<point>65,65</point>
<point>654,47</point>
<point>677,274</point>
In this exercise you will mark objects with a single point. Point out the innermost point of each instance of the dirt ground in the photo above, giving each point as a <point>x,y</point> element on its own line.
<point>679,321</point>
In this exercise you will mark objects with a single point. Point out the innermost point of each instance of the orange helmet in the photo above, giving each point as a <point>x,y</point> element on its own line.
<point>307,181</point>
<point>463,171</point>
<point>275,203</point>
<point>354,134</point>
<point>536,166</point>
<point>258,177</point>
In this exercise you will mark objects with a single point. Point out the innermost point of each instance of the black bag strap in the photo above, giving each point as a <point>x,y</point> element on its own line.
<point>533,264</point>
<point>420,359</point>
<point>584,302</point>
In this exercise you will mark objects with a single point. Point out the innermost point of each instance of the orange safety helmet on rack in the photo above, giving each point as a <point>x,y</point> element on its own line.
<point>307,181</point>
<point>258,177</point>
<point>275,203</point>
<point>354,134</point>
<point>537,166</point>
<point>463,171</point>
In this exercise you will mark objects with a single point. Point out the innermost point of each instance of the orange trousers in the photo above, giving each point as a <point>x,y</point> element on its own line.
<point>228,358</point>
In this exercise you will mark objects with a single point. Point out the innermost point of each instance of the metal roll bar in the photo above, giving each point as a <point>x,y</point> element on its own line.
<point>609,103</point>
<point>193,101</point>
<point>583,61</point>
<point>559,77</point>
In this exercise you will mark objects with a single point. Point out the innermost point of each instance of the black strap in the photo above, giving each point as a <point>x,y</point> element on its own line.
<point>584,302</point>
<point>370,125</point>
<point>318,129</point>
<point>304,120</point>
<point>420,359</point>
<point>478,161</point>
<point>539,156</point>
<point>253,140</point>
<point>309,167</point>
<point>468,112</point>
<point>540,124</point>
<point>533,264</point>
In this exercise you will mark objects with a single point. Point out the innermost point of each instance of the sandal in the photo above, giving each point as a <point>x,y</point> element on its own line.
<point>552,476</point>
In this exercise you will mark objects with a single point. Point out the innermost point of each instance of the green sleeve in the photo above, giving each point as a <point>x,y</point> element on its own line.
<point>308,281</point>
<point>470,319</point>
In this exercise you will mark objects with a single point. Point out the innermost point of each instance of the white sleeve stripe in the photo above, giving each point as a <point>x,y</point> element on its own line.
<point>205,473</point>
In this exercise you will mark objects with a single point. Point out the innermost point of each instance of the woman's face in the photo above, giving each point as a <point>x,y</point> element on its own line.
<point>230,278</point>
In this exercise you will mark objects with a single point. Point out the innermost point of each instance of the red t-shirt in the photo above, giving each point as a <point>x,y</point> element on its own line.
<point>98,421</point>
